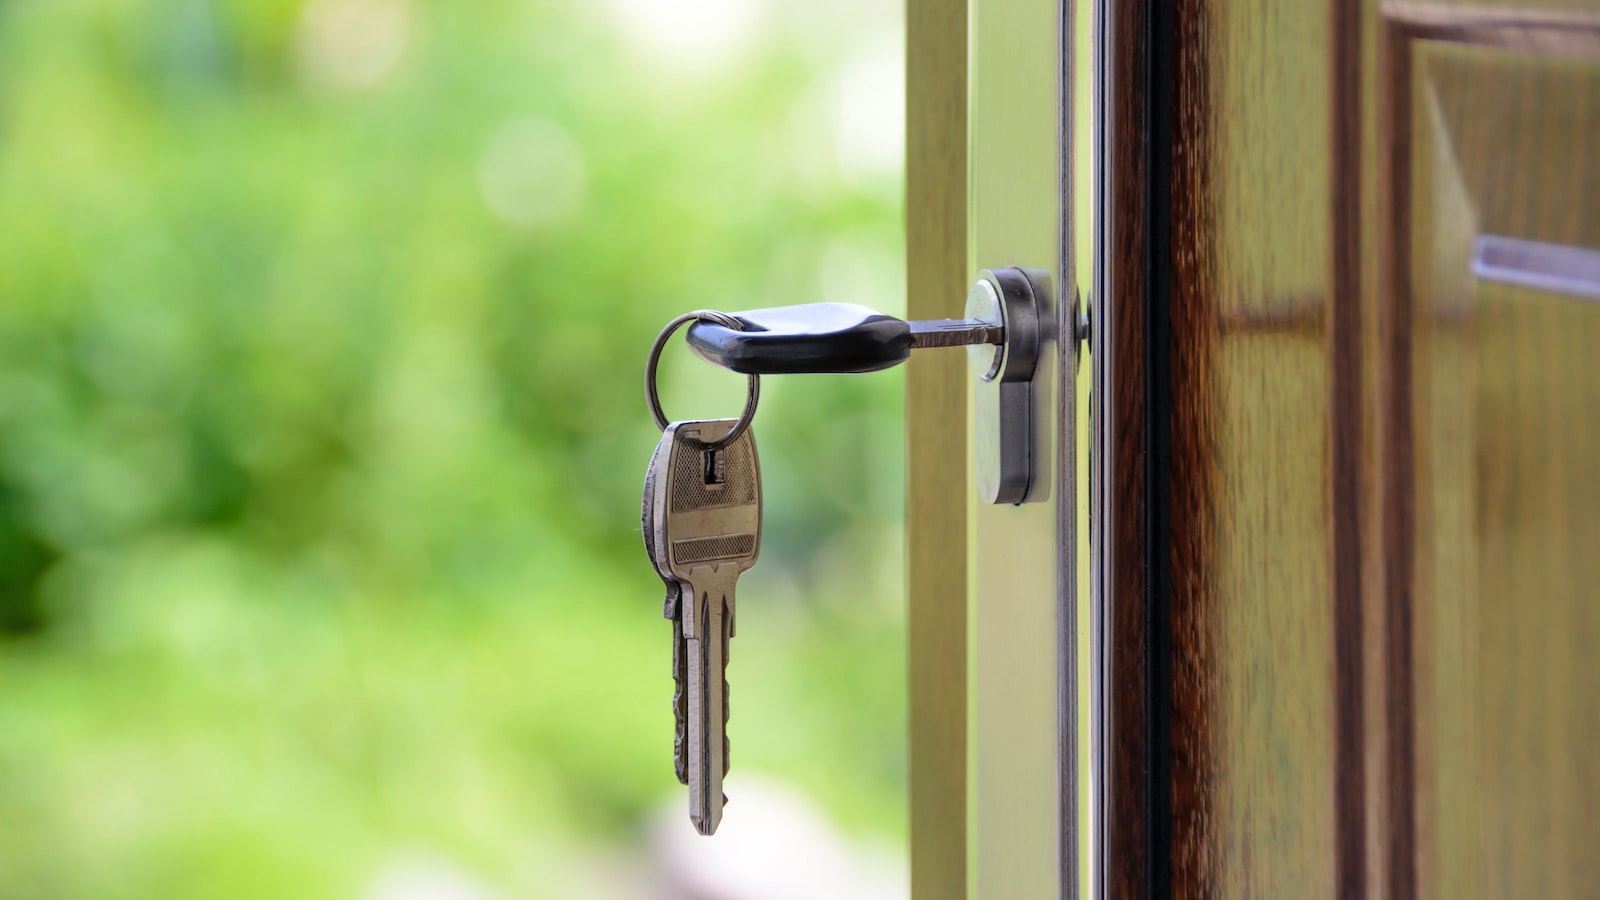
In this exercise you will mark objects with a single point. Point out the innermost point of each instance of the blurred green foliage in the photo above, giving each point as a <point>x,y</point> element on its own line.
<point>321,436</point>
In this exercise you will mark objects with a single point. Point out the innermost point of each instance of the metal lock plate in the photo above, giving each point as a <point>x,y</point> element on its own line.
<point>1002,400</point>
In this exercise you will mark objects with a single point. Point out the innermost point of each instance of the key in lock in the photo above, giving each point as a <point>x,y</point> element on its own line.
<point>701,515</point>
<point>1008,320</point>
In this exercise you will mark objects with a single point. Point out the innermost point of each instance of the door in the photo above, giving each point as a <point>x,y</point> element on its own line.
<point>1349,432</point>
<point>1336,630</point>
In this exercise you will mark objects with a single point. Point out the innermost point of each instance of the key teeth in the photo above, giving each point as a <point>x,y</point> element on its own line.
<point>727,744</point>
<point>680,750</point>
<point>680,706</point>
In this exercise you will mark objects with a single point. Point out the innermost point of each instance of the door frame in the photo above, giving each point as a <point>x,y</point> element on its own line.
<point>993,621</point>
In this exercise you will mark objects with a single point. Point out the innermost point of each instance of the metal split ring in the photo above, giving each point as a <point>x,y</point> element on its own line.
<point>752,395</point>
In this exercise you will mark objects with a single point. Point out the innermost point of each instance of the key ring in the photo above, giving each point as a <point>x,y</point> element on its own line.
<point>752,394</point>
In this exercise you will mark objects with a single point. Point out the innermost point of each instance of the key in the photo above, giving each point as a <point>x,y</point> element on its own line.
<point>830,337</point>
<point>653,526</point>
<point>713,511</point>
<point>712,535</point>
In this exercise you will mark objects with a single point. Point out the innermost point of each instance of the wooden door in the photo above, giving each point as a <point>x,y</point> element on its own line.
<point>1347,434</point>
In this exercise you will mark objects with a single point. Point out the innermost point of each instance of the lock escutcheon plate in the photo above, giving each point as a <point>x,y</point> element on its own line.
<point>1002,400</point>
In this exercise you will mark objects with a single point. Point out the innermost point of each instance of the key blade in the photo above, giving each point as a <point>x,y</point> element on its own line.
<point>954,333</point>
<point>707,706</point>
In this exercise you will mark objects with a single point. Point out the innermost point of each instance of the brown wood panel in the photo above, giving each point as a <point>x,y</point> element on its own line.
<point>1492,438</point>
<point>936,462</point>
<point>1396,467</point>
<point>1352,506</point>
<point>1119,481</point>
<point>1235,563</point>
<point>1255,729</point>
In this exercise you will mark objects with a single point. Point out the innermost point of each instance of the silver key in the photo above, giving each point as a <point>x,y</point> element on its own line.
<point>653,524</point>
<point>712,510</point>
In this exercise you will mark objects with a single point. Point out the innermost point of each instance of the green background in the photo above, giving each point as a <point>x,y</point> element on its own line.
<point>322,328</point>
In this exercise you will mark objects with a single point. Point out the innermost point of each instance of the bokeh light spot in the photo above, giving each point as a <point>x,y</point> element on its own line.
<point>352,45</point>
<point>532,174</point>
<point>869,121</point>
<point>692,38</point>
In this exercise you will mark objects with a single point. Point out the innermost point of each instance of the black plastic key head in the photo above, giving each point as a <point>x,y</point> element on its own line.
<point>814,338</point>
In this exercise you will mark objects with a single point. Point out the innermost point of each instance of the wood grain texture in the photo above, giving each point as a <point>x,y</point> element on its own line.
<point>1349,482</point>
<point>1351,503</point>
<point>1119,479</point>
<point>1497,133</point>
<point>1397,466</point>
<point>1236,480</point>
<point>936,460</point>
<point>1250,541</point>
